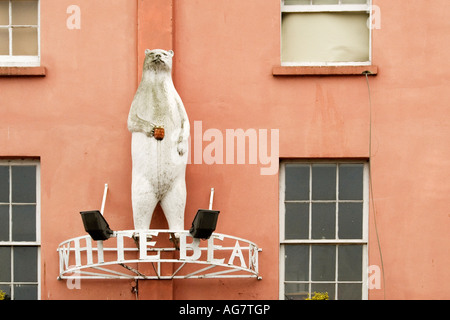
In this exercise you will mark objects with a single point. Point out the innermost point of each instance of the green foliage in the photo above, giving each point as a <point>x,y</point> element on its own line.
<point>4,296</point>
<point>318,296</point>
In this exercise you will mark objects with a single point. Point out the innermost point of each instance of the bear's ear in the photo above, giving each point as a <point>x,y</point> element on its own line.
<point>147,51</point>
<point>171,52</point>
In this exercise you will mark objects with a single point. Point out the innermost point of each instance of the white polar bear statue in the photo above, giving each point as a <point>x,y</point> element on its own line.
<point>160,130</point>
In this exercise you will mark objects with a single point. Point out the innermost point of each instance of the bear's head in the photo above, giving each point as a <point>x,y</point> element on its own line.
<point>158,60</point>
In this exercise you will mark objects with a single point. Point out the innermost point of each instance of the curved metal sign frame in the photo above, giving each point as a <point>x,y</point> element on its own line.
<point>151,254</point>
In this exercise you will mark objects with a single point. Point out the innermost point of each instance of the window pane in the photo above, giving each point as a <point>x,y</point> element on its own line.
<point>303,2</point>
<point>4,41</point>
<point>354,1</point>
<point>4,13</point>
<point>350,291</point>
<point>350,221</point>
<point>24,184</point>
<point>350,263</point>
<point>324,287</point>
<point>24,12</point>
<point>6,289</point>
<point>296,291</point>
<point>324,182</point>
<point>351,181</point>
<point>297,182</point>
<point>25,42</point>
<point>294,2</point>
<point>25,292</point>
<point>323,258</point>
<point>25,264</point>
<point>297,221</point>
<point>5,264</point>
<point>4,222</point>
<point>4,182</point>
<point>325,1</point>
<point>296,262</point>
<point>323,220</point>
<point>24,223</point>
<point>325,37</point>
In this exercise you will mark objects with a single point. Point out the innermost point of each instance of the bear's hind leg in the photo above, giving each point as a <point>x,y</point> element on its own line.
<point>144,202</point>
<point>173,205</point>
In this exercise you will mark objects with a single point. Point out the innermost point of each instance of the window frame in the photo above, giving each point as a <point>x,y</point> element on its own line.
<point>20,244</point>
<point>311,8</point>
<point>11,60</point>
<point>364,241</point>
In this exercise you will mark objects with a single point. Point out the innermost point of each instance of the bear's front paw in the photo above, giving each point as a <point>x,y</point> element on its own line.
<point>149,131</point>
<point>182,148</point>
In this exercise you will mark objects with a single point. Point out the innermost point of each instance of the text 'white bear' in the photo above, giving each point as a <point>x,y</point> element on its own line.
<point>221,256</point>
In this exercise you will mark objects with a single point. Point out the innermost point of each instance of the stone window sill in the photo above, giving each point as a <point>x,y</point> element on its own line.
<point>23,71</point>
<point>324,71</point>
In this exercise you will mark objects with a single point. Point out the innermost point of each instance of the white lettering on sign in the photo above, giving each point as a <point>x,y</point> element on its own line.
<point>144,243</point>
<point>229,254</point>
<point>211,248</point>
<point>194,247</point>
<point>237,252</point>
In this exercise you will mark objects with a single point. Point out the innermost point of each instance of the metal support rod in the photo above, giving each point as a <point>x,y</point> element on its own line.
<point>104,198</point>
<point>100,242</point>
<point>211,199</point>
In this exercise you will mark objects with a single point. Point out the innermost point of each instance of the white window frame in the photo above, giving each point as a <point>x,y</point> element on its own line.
<point>365,226</point>
<point>37,242</point>
<point>22,61</point>
<point>329,8</point>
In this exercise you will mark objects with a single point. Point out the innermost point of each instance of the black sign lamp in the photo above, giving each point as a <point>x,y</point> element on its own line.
<point>96,225</point>
<point>94,222</point>
<point>205,221</point>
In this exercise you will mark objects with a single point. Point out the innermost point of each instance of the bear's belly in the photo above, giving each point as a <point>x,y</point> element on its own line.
<point>156,162</point>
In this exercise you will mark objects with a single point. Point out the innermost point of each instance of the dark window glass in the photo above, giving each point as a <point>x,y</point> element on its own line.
<point>324,182</point>
<point>297,182</point>
<point>297,220</point>
<point>24,223</point>
<point>23,184</point>
<point>350,220</point>
<point>322,288</point>
<point>4,222</point>
<point>5,264</point>
<point>25,292</point>
<point>25,264</point>
<point>350,291</point>
<point>296,291</point>
<point>297,263</point>
<point>350,263</point>
<point>4,184</point>
<point>351,181</point>
<point>323,262</point>
<point>323,220</point>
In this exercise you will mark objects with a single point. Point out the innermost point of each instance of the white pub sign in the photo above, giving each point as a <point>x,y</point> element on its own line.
<point>149,254</point>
